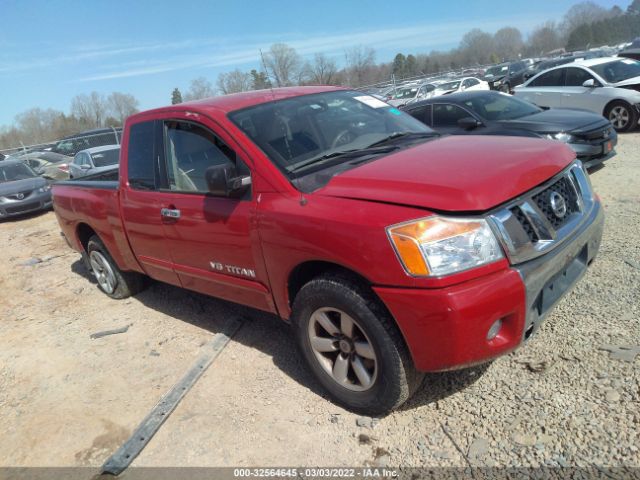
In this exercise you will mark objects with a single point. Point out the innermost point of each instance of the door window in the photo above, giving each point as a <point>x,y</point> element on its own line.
<point>549,79</point>
<point>190,150</point>
<point>575,77</point>
<point>446,115</point>
<point>141,166</point>
<point>422,113</point>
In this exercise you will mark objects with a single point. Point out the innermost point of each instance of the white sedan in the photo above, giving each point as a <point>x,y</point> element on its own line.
<point>609,86</point>
<point>460,85</point>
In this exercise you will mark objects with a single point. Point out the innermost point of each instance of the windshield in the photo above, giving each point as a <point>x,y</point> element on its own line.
<point>618,70</point>
<point>405,93</point>
<point>15,171</point>
<point>499,106</point>
<point>295,131</point>
<point>449,86</point>
<point>106,157</point>
<point>497,70</point>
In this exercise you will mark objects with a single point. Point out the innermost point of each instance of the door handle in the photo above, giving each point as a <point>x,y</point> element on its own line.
<point>170,212</point>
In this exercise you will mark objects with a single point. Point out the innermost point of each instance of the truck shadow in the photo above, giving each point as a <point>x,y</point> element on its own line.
<point>271,336</point>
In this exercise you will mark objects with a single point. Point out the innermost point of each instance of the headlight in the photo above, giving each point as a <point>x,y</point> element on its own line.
<point>563,137</point>
<point>46,188</point>
<point>436,246</point>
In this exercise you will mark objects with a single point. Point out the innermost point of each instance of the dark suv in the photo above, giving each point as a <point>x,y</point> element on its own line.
<point>505,76</point>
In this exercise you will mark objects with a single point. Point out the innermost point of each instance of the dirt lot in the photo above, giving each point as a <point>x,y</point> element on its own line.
<point>67,399</point>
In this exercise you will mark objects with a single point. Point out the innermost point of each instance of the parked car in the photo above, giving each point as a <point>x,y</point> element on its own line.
<point>21,190</point>
<point>590,135</point>
<point>460,85</point>
<point>606,86</point>
<point>545,65</point>
<point>38,161</point>
<point>88,139</point>
<point>410,93</point>
<point>390,251</point>
<point>506,76</point>
<point>94,160</point>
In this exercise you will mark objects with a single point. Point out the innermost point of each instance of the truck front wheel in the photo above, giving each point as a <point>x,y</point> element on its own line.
<point>111,280</point>
<point>353,346</point>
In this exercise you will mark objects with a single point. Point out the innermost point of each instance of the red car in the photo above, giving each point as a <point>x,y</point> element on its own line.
<point>390,250</point>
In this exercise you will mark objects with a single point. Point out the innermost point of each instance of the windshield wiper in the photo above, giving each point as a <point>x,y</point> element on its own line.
<point>342,154</point>
<point>397,135</point>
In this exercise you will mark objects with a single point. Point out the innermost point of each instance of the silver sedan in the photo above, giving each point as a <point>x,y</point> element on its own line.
<point>608,86</point>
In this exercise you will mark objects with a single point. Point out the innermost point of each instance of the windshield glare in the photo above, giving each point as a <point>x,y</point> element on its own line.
<point>297,129</point>
<point>499,106</point>
<point>449,86</point>
<point>405,93</point>
<point>496,70</point>
<point>106,157</point>
<point>618,70</point>
<point>16,171</point>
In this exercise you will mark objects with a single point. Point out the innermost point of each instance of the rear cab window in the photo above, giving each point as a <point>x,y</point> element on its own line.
<point>141,165</point>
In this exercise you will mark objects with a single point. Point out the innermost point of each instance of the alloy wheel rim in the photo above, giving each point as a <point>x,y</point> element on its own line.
<point>619,117</point>
<point>343,349</point>
<point>103,272</point>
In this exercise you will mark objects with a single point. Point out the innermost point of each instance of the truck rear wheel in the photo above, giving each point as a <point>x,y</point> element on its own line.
<point>352,345</point>
<point>111,280</point>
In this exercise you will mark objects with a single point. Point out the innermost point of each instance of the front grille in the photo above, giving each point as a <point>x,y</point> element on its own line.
<point>596,136</point>
<point>19,195</point>
<point>567,192</point>
<point>528,226</point>
<point>24,207</point>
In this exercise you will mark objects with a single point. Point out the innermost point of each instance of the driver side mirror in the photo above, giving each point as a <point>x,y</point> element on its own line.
<point>85,167</point>
<point>223,181</point>
<point>468,123</point>
<point>591,83</point>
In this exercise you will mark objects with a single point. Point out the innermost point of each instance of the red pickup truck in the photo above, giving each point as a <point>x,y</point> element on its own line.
<point>390,250</point>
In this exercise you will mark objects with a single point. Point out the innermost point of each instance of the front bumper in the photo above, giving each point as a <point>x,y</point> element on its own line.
<point>447,328</point>
<point>592,154</point>
<point>31,203</point>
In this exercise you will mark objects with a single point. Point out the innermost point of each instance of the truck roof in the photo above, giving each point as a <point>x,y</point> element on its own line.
<point>237,101</point>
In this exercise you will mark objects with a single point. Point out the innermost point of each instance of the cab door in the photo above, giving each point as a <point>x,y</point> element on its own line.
<point>140,205</point>
<point>213,240</point>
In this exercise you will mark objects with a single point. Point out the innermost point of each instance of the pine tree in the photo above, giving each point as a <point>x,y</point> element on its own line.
<point>176,96</point>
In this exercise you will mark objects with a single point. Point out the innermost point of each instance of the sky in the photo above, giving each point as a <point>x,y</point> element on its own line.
<point>52,50</point>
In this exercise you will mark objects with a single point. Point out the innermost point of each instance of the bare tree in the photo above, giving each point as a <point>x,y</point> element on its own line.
<point>322,71</point>
<point>200,88</point>
<point>284,64</point>
<point>544,39</point>
<point>234,82</point>
<point>359,63</point>
<point>90,109</point>
<point>81,108</point>
<point>121,105</point>
<point>583,13</point>
<point>476,47</point>
<point>507,43</point>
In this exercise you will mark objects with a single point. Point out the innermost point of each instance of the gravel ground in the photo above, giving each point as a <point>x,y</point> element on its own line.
<point>569,397</point>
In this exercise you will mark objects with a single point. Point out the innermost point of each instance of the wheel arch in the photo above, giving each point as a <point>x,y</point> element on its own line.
<point>83,233</point>
<point>304,272</point>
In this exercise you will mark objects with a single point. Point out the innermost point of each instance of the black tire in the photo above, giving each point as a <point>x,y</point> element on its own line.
<point>620,106</point>
<point>125,283</point>
<point>395,378</point>
<point>505,88</point>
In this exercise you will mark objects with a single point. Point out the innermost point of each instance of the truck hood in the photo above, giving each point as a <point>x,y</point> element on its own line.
<point>456,174</point>
<point>17,186</point>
